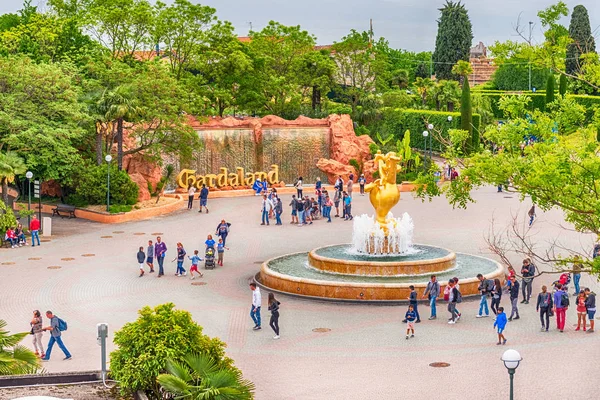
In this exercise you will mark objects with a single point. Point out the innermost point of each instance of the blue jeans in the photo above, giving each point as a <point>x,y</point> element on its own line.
<point>265,217</point>
<point>223,236</point>
<point>180,269</point>
<point>416,310</point>
<point>576,278</point>
<point>483,305</point>
<point>278,218</point>
<point>11,241</point>
<point>301,217</point>
<point>255,315</point>
<point>161,260</point>
<point>35,235</point>
<point>432,301</point>
<point>58,340</point>
<point>328,213</point>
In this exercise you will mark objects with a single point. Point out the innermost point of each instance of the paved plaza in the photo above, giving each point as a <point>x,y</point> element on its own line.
<point>364,355</point>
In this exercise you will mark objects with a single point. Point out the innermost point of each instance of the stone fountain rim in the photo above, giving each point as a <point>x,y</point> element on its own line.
<point>448,257</point>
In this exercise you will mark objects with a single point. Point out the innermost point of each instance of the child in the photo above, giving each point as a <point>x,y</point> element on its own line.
<point>194,268</point>
<point>348,207</point>
<point>410,318</point>
<point>500,323</point>
<point>220,251</point>
<point>141,257</point>
<point>150,256</point>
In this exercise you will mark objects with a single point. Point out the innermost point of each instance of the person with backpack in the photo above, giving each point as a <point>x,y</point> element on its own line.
<point>454,297</point>
<point>432,291</point>
<point>485,287</point>
<point>561,304</point>
<point>544,305</point>
<point>57,326</point>
<point>590,306</point>
<point>528,272</point>
<point>514,298</point>
<point>500,324</point>
<point>496,296</point>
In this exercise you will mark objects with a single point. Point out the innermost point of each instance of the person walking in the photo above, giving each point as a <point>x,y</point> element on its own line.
<point>531,214</point>
<point>577,266</point>
<point>141,257</point>
<point>514,298</point>
<point>34,228</point>
<point>457,286</point>
<point>278,211</point>
<point>412,301</point>
<point>203,198</point>
<point>561,304</point>
<point>527,272</point>
<point>327,208</point>
<point>432,291</point>
<point>496,296</point>
<point>298,186</point>
<point>223,230</point>
<point>191,192</point>
<point>590,306</point>
<point>180,258</point>
<point>348,207</point>
<point>500,324</point>
<point>350,185</point>
<point>581,311</point>
<point>194,268</point>
<point>274,321</point>
<point>55,336</point>
<point>150,256</point>
<point>255,309</point>
<point>293,206</point>
<point>266,208</point>
<point>319,193</point>
<point>221,251</point>
<point>485,287</point>
<point>300,209</point>
<point>336,200</point>
<point>409,318</point>
<point>160,251</point>
<point>544,305</point>
<point>361,184</point>
<point>453,299</point>
<point>37,331</point>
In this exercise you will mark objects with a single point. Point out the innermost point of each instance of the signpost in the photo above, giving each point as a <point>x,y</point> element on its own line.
<point>36,195</point>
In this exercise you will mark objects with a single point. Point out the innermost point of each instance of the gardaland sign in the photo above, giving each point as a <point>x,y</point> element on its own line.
<point>188,177</point>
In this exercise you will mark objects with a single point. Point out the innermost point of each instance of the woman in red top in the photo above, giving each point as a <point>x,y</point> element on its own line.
<point>581,311</point>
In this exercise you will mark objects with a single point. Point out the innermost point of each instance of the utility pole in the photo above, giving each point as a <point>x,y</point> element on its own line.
<point>250,24</point>
<point>371,31</point>
<point>530,27</point>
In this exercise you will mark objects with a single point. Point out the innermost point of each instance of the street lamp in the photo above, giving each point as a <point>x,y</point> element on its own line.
<point>449,118</point>
<point>425,135</point>
<point>511,359</point>
<point>29,175</point>
<point>108,159</point>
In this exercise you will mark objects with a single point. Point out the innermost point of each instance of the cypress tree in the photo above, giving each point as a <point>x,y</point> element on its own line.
<point>422,71</point>
<point>466,114</point>
<point>583,41</point>
<point>550,89</point>
<point>562,85</point>
<point>453,41</point>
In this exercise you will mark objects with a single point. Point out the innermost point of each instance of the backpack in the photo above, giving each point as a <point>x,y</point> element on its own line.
<point>62,324</point>
<point>546,302</point>
<point>459,297</point>
<point>564,299</point>
<point>489,286</point>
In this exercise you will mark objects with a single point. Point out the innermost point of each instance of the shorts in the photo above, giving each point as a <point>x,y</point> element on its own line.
<point>150,260</point>
<point>337,204</point>
<point>142,266</point>
<point>591,314</point>
<point>194,268</point>
<point>500,330</point>
<point>294,213</point>
<point>203,202</point>
<point>410,325</point>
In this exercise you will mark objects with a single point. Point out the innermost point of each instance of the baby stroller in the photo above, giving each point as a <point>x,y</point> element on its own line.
<point>209,258</point>
<point>564,280</point>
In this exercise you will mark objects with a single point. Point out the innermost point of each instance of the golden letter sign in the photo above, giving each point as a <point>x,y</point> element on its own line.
<point>188,177</point>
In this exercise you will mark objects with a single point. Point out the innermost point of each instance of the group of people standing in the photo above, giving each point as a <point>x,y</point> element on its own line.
<point>202,198</point>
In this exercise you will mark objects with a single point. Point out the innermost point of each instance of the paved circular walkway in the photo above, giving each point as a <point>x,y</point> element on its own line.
<point>364,355</point>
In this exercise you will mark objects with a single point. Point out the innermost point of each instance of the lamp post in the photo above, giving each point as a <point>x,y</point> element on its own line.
<point>108,159</point>
<point>29,175</point>
<point>430,128</point>
<point>425,135</point>
<point>511,359</point>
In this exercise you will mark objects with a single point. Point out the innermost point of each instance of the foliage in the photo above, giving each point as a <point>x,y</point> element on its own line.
<point>422,71</point>
<point>466,115</point>
<point>515,76</point>
<point>396,99</point>
<point>462,68</point>
<point>446,94</point>
<point>582,40</point>
<point>357,165</point>
<point>15,359</point>
<point>453,41</point>
<point>11,165</point>
<point>410,160</point>
<point>199,377</point>
<point>159,334</point>
<point>7,218</point>
<point>550,89</point>
<point>91,186</point>
<point>116,209</point>
<point>337,108</point>
<point>562,85</point>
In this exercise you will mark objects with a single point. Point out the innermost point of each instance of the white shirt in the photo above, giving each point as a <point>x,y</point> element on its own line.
<point>256,299</point>
<point>191,191</point>
<point>267,205</point>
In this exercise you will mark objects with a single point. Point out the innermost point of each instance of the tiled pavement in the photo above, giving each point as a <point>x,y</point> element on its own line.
<point>364,355</point>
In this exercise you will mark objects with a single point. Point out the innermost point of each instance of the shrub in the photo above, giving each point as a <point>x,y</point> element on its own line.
<point>338,108</point>
<point>7,219</point>
<point>550,90</point>
<point>158,335</point>
<point>115,209</point>
<point>91,186</point>
<point>511,76</point>
<point>466,113</point>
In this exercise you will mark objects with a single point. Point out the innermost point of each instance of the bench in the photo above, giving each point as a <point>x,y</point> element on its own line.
<point>64,208</point>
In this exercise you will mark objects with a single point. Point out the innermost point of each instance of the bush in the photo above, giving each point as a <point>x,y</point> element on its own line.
<point>7,219</point>
<point>115,209</point>
<point>157,335</point>
<point>516,77</point>
<point>338,108</point>
<point>91,187</point>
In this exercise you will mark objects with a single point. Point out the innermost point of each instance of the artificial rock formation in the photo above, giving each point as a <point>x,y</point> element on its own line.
<point>144,193</point>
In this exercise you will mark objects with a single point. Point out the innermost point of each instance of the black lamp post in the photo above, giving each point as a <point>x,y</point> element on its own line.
<point>511,359</point>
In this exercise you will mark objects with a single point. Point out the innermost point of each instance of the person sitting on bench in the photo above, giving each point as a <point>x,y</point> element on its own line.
<point>11,237</point>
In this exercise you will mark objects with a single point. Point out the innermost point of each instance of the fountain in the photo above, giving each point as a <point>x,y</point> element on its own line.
<point>381,263</point>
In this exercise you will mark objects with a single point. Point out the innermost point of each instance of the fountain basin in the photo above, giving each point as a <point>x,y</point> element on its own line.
<point>340,259</point>
<point>293,274</point>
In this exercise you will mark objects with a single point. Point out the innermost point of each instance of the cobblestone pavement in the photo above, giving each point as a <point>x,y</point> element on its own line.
<point>365,355</point>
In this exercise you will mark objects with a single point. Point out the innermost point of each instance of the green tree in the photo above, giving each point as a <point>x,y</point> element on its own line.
<point>159,334</point>
<point>463,69</point>
<point>453,41</point>
<point>14,358</point>
<point>199,377</point>
<point>11,165</point>
<point>447,93</point>
<point>424,88</point>
<point>315,72</point>
<point>562,85</point>
<point>422,71</point>
<point>582,42</point>
<point>550,90</point>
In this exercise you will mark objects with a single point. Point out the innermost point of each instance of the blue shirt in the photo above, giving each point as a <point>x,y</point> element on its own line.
<point>195,259</point>
<point>410,316</point>
<point>347,200</point>
<point>220,247</point>
<point>500,321</point>
<point>210,243</point>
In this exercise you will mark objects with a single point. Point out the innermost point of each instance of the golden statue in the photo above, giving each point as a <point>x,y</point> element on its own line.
<point>383,192</point>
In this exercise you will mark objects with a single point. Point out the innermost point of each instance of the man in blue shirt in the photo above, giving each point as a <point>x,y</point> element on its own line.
<point>203,198</point>
<point>55,336</point>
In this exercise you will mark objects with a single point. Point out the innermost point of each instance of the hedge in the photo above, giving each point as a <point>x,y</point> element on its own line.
<point>397,121</point>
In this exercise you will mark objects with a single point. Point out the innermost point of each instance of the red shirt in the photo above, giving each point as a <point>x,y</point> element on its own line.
<point>34,225</point>
<point>10,234</point>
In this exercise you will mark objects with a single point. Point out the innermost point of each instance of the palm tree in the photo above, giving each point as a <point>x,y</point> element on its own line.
<point>15,359</point>
<point>11,165</point>
<point>199,378</point>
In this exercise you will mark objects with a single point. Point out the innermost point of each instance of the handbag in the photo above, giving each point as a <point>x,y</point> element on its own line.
<point>31,332</point>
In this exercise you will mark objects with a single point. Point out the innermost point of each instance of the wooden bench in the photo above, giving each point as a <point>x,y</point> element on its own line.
<point>64,208</point>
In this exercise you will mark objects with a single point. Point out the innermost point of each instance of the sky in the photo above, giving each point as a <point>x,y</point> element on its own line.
<point>406,24</point>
